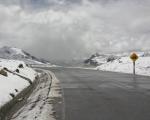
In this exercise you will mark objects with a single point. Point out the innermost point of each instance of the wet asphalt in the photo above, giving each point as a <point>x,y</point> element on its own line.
<point>99,95</point>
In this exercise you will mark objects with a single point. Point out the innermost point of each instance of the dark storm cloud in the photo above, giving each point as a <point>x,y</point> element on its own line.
<point>65,29</point>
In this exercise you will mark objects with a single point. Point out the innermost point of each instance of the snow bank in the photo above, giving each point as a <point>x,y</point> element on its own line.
<point>125,65</point>
<point>13,83</point>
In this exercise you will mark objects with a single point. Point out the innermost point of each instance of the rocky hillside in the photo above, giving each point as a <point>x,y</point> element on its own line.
<point>99,59</point>
<point>18,54</point>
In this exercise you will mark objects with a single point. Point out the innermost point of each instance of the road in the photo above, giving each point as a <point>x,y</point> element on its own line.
<point>97,95</point>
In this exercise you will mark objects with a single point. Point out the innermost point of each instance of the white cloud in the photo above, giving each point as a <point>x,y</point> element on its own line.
<point>78,30</point>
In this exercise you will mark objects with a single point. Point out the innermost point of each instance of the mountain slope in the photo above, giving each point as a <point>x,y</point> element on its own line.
<point>121,62</point>
<point>18,54</point>
<point>99,59</point>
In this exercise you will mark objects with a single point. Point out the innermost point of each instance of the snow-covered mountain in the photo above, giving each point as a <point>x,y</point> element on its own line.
<point>121,62</point>
<point>99,59</point>
<point>18,54</point>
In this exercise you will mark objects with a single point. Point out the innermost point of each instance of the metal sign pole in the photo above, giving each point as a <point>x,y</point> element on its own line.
<point>134,68</point>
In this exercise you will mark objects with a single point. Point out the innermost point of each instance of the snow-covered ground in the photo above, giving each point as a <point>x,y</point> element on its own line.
<point>13,83</point>
<point>39,105</point>
<point>125,65</point>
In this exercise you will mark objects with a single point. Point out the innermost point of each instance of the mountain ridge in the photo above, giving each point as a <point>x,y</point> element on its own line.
<point>7,52</point>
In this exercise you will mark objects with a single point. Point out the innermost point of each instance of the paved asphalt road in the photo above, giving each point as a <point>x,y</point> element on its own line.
<point>97,95</point>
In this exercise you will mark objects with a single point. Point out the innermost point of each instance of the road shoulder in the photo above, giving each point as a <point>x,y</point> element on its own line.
<point>43,103</point>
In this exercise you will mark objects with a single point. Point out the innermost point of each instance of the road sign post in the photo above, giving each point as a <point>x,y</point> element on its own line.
<point>134,57</point>
<point>134,68</point>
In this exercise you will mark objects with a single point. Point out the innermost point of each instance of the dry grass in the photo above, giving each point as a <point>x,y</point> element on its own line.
<point>3,72</point>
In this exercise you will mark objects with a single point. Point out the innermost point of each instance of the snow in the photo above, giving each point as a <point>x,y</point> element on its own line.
<point>17,51</point>
<point>43,65</point>
<point>7,52</point>
<point>39,105</point>
<point>125,65</point>
<point>8,85</point>
<point>12,82</point>
<point>10,64</point>
<point>100,60</point>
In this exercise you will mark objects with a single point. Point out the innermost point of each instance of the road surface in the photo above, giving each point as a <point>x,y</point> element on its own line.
<point>97,95</point>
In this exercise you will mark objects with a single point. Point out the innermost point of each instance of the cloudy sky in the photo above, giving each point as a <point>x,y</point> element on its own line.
<point>59,29</point>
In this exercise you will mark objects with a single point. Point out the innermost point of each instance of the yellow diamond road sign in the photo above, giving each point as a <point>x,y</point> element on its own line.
<point>134,57</point>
